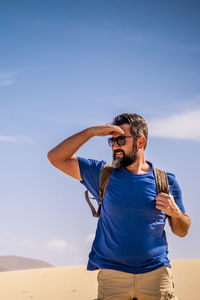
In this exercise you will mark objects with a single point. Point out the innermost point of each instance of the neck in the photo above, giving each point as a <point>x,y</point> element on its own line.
<point>140,166</point>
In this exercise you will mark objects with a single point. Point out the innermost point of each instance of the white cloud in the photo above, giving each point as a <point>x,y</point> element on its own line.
<point>18,138</point>
<point>178,126</point>
<point>7,79</point>
<point>57,244</point>
<point>24,138</point>
<point>8,138</point>
<point>89,238</point>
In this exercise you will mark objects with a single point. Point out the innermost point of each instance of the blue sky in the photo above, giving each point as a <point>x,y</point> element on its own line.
<point>67,65</point>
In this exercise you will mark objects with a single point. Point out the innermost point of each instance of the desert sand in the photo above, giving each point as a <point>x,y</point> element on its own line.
<point>70,283</point>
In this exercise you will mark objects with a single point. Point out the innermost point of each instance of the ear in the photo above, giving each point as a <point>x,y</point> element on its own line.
<point>141,142</point>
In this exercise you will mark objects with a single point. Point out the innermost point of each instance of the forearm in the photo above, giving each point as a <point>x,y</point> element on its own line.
<point>180,224</point>
<point>69,146</point>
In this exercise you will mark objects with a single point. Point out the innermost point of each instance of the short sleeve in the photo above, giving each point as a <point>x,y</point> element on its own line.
<point>175,190</point>
<point>90,171</point>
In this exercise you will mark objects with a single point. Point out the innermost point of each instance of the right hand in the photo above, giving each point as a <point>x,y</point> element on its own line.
<point>107,129</point>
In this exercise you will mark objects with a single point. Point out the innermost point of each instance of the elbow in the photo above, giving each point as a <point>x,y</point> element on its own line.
<point>181,229</point>
<point>186,227</point>
<point>182,234</point>
<point>51,157</point>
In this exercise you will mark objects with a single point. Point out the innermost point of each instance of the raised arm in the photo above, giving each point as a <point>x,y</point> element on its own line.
<point>62,156</point>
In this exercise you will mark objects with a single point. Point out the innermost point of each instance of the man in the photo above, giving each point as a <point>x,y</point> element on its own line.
<point>130,248</point>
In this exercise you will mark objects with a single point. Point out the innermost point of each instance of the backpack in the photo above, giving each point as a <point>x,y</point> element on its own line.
<point>161,184</point>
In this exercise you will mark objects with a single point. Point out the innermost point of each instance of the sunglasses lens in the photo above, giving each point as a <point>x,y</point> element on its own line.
<point>120,140</point>
<point>110,142</point>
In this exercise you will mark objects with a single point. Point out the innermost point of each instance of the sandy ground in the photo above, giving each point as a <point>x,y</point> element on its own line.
<point>70,283</point>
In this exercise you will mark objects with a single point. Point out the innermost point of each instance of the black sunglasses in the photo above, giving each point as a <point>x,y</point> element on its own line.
<point>121,140</point>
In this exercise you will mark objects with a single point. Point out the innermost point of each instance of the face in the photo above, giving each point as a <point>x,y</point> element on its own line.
<point>124,156</point>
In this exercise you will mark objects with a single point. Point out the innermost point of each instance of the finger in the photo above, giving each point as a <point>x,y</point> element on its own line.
<point>117,129</point>
<point>163,206</point>
<point>163,195</point>
<point>161,199</point>
<point>107,129</point>
<point>163,203</point>
<point>160,202</point>
<point>160,207</point>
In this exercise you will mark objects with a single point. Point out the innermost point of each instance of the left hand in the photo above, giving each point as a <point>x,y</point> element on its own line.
<point>166,203</point>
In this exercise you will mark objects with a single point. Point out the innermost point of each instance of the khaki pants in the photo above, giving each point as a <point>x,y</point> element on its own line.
<point>154,285</point>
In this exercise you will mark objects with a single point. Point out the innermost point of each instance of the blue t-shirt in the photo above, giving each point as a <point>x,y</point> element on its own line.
<point>130,233</point>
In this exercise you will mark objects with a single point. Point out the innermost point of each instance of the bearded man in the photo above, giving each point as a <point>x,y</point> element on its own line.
<point>130,247</point>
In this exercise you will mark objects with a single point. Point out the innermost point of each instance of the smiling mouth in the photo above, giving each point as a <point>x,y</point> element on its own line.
<point>118,153</point>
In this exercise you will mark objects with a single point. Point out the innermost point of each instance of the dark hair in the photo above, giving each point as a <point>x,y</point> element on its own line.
<point>138,126</point>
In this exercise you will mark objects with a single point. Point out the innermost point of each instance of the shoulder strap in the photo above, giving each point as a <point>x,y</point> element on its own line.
<point>161,181</point>
<point>103,181</point>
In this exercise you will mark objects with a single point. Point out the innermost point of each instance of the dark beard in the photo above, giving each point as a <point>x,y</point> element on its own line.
<point>125,160</point>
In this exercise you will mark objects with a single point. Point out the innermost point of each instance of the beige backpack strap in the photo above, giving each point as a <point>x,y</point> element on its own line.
<point>161,181</point>
<point>103,181</point>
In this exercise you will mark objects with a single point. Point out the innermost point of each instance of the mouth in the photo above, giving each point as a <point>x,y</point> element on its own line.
<point>118,154</point>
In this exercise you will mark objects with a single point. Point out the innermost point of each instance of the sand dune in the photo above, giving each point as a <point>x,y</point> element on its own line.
<point>70,283</point>
<point>14,263</point>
